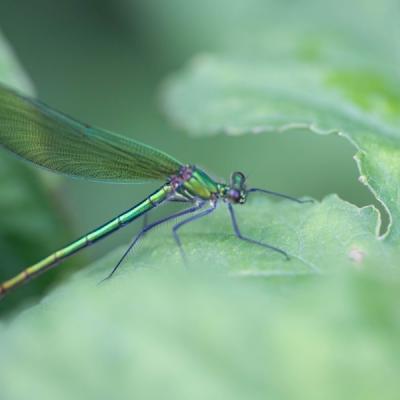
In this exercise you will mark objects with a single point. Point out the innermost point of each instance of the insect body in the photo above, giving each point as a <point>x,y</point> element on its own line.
<point>52,140</point>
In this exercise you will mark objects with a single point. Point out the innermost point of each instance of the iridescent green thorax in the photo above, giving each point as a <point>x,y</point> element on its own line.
<point>197,184</point>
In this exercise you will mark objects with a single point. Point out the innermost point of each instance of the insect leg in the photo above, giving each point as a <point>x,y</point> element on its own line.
<point>149,227</point>
<point>240,236</point>
<point>171,199</point>
<point>185,221</point>
<point>145,221</point>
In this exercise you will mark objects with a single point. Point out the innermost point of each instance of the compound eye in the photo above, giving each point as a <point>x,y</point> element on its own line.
<point>238,179</point>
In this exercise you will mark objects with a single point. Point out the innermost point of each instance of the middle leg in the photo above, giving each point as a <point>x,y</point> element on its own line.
<point>187,220</point>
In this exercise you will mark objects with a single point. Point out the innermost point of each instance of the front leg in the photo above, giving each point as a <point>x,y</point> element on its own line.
<point>240,236</point>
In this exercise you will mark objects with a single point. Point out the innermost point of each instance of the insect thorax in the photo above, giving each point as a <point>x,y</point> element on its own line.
<point>198,185</point>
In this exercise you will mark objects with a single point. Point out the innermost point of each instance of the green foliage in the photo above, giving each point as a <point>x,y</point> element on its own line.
<point>216,95</point>
<point>157,333</point>
<point>10,71</point>
<point>306,83</point>
<point>241,322</point>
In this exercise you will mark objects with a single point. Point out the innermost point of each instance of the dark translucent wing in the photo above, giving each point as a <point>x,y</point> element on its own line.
<point>59,143</point>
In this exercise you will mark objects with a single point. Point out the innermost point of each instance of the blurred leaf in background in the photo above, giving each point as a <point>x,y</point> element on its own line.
<point>11,73</point>
<point>284,77</point>
<point>289,78</point>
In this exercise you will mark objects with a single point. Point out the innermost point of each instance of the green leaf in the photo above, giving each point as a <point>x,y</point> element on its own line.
<point>159,333</point>
<point>304,66</point>
<point>218,95</point>
<point>11,72</point>
<point>239,323</point>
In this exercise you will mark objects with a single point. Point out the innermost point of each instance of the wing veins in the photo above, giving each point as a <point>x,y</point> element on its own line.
<point>57,142</point>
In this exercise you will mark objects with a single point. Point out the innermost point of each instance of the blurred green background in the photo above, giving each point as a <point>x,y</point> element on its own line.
<point>104,62</point>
